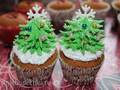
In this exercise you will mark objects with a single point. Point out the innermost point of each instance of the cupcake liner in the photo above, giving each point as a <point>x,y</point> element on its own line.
<point>79,75</point>
<point>36,77</point>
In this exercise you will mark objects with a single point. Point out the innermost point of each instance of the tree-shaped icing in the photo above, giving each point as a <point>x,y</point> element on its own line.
<point>83,33</point>
<point>37,35</point>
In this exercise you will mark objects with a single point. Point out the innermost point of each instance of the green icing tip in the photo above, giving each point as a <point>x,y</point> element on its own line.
<point>83,32</point>
<point>37,34</point>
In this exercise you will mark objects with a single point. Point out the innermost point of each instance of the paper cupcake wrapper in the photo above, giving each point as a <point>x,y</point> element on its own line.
<point>36,77</point>
<point>79,75</point>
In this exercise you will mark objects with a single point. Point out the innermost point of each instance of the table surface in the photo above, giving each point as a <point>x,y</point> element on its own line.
<point>108,77</point>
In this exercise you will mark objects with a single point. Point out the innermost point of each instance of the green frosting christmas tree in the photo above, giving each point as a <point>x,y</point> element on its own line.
<point>83,32</point>
<point>37,35</point>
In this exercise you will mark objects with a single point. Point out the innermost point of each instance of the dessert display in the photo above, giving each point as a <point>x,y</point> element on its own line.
<point>82,47</point>
<point>34,52</point>
<point>60,11</point>
<point>25,5</point>
<point>116,5</point>
<point>9,26</point>
<point>101,7</point>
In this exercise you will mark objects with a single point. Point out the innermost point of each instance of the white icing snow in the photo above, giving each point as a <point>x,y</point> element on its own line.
<point>32,58</point>
<point>77,55</point>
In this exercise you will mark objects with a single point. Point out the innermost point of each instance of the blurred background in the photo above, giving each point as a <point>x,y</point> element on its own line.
<point>13,13</point>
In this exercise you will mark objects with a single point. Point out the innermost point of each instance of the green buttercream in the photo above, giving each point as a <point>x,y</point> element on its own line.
<point>83,34</point>
<point>36,36</point>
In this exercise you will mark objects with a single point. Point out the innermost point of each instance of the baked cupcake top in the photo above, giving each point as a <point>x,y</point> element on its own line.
<point>12,19</point>
<point>83,38</point>
<point>36,42</point>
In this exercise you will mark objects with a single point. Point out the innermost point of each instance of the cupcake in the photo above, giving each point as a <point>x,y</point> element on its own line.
<point>34,52</point>
<point>60,11</point>
<point>9,26</point>
<point>101,8</point>
<point>25,5</point>
<point>82,47</point>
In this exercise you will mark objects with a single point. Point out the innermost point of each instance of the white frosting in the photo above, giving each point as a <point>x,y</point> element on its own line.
<point>31,58</point>
<point>77,55</point>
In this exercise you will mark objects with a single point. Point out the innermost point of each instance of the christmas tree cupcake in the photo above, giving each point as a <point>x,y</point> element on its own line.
<point>82,47</point>
<point>34,52</point>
